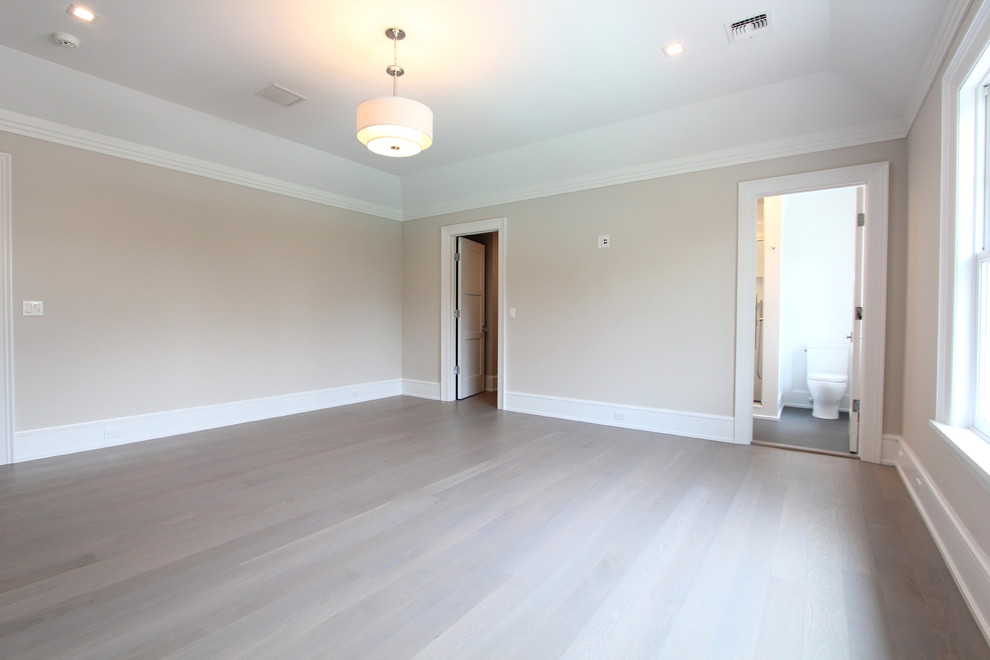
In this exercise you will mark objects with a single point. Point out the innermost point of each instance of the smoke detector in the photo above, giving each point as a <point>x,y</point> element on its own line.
<point>65,40</point>
<point>747,28</point>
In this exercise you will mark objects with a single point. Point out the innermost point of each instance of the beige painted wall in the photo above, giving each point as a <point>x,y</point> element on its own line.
<point>649,321</point>
<point>164,290</point>
<point>963,493</point>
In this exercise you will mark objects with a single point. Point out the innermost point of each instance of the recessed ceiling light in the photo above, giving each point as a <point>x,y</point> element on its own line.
<point>81,13</point>
<point>673,49</point>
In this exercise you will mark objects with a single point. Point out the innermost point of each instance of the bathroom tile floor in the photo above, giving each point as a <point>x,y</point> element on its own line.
<point>797,429</point>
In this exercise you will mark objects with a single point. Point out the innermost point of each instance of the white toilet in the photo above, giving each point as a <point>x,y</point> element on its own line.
<point>828,378</point>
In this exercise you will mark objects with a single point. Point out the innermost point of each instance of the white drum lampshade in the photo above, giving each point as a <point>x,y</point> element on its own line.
<point>394,126</point>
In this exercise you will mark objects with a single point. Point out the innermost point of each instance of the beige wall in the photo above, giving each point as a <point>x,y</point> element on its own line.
<point>164,290</point>
<point>963,493</point>
<point>649,321</point>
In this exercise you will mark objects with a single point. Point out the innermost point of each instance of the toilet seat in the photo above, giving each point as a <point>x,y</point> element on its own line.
<point>825,377</point>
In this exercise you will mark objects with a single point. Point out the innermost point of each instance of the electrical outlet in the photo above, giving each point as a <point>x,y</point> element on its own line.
<point>619,416</point>
<point>604,241</point>
<point>33,308</point>
<point>111,434</point>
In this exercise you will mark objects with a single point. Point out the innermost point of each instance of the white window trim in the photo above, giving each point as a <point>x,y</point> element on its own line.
<point>961,199</point>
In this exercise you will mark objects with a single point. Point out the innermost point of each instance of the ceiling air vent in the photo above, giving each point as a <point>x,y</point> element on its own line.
<point>281,95</point>
<point>748,28</point>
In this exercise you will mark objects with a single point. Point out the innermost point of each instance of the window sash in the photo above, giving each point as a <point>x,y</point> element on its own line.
<point>981,403</point>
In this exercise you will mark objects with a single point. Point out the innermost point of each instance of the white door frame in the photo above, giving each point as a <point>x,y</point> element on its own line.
<point>875,177</point>
<point>6,319</point>
<point>448,302</point>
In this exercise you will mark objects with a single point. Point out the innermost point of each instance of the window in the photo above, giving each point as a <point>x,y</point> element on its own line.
<point>981,416</point>
<point>963,412</point>
<point>981,273</point>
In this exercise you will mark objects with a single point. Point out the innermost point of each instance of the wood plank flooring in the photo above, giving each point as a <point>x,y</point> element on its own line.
<point>406,528</point>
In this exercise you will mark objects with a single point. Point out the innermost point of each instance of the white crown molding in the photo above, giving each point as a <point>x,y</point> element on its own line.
<point>892,129</point>
<point>34,127</point>
<point>952,19</point>
<point>58,440</point>
<point>13,122</point>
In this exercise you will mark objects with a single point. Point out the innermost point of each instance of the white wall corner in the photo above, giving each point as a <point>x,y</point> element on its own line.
<point>58,440</point>
<point>966,560</point>
<point>656,420</point>
<point>421,388</point>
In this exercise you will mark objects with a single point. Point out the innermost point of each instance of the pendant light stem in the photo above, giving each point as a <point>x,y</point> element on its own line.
<point>395,62</point>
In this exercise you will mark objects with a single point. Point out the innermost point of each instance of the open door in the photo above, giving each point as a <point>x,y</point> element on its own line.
<point>470,318</point>
<point>856,368</point>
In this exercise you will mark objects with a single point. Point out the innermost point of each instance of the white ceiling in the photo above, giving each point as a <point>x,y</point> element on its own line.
<point>498,75</point>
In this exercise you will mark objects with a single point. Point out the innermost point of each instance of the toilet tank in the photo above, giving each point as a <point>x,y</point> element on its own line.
<point>829,358</point>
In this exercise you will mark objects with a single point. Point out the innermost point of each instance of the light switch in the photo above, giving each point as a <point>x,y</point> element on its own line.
<point>34,308</point>
<point>512,312</point>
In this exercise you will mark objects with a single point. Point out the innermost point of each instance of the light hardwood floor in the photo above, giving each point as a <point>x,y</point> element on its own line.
<point>409,528</point>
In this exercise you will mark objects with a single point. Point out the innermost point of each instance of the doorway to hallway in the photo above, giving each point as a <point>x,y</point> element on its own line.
<point>491,233</point>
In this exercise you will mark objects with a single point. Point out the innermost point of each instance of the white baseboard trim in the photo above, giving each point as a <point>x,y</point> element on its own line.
<point>673,422</point>
<point>423,389</point>
<point>491,383</point>
<point>889,448</point>
<point>967,562</point>
<point>58,440</point>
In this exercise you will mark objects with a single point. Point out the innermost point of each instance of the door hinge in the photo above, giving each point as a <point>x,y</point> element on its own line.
<point>457,371</point>
<point>457,313</point>
<point>859,313</point>
<point>855,405</point>
<point>860,219</point>
<point>457,256</point>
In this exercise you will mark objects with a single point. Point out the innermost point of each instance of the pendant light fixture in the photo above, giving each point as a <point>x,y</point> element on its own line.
<point>392,125</point>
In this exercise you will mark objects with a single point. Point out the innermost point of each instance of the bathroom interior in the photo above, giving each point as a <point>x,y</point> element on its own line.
<point>806,280</point>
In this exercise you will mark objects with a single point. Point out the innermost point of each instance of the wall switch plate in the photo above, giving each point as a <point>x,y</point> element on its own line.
<point>34,308</point>
<point>603,241</point>
<point>512,312</point>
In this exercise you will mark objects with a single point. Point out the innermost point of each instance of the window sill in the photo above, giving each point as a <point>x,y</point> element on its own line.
<point>971,448</point>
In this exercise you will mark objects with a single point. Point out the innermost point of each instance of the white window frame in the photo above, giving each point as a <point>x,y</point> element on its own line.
<point>981,397</point>
<point>963,217</point>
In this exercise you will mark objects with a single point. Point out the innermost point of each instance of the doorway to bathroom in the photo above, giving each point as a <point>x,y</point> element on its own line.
<point>806,294</point>
<point>868,312</point>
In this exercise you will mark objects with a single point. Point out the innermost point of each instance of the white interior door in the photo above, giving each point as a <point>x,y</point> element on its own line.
<point>470,317</point>
<point>856,366</point>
